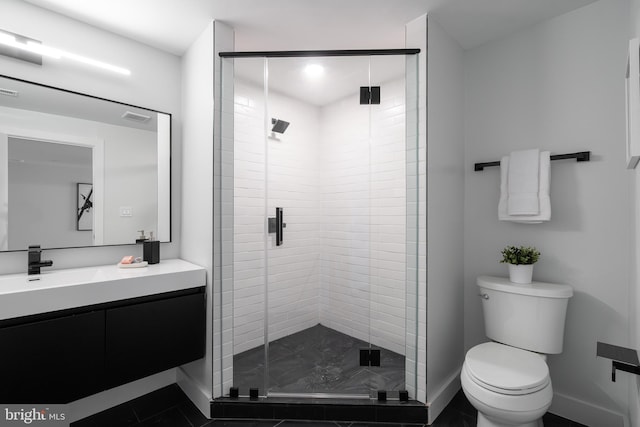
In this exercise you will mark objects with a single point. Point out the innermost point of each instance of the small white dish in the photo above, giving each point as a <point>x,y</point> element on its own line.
<point>133,265</point>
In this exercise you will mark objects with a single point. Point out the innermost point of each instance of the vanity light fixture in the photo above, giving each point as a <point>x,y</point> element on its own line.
<point>28,45</point>
<point>32,46</point>
<point>19,47</point>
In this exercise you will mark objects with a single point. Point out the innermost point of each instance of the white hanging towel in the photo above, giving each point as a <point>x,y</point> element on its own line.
<point>543,200</point>
<point>523,182</point>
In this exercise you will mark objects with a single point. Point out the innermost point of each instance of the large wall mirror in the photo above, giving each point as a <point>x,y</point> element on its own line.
<point>77,170</point>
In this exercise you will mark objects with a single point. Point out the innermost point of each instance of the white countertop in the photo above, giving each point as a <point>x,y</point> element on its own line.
<point>77,287</point>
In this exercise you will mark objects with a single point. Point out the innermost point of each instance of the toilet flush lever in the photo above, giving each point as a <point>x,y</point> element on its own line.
<point>484,296</point>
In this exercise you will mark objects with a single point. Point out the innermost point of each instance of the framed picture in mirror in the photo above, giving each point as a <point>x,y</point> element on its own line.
<point>85,207</point>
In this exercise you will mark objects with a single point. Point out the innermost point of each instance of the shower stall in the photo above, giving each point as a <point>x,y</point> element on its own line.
<point>319,221</point>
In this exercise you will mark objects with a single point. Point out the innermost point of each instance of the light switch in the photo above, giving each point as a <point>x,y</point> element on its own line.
<point>126,211</point>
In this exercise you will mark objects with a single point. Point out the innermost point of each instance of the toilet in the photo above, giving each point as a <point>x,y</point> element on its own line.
<point>507,380</point>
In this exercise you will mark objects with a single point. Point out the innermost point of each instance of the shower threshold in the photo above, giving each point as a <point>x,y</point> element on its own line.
<point>320,395</point>
<point>325,409</point>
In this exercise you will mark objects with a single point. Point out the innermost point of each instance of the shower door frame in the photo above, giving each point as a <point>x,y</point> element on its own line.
<point>224,317</point>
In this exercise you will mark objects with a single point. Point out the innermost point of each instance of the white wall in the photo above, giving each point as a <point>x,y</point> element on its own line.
<point>634,282</point>
<point>440,207</point>
<point>154,83</point>
<point>206,229</point>
<point>559,86</point>
<point>293,184</point>
<point>417,37</point>
<point>445,211</point>
<point>197,191</point>
<point>43,197</point>
<point>249,212</point>
<point>363,253</point>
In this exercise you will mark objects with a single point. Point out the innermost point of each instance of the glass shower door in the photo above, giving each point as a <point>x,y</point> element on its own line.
<point>388,157</point>
<point>318,225</point>
<point>325,225</point>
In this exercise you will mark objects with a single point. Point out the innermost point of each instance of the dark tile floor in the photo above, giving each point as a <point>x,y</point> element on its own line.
<point>169,407</point>
<point>460,413</point>
<point>317,360</point>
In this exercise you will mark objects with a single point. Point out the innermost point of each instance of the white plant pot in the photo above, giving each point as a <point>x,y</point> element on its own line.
<point>521,273</point>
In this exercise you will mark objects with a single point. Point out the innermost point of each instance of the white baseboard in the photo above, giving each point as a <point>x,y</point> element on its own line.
<point>195,392</point>
<point>443,396</point>
<point>585,413</point>
<point>107,399</point>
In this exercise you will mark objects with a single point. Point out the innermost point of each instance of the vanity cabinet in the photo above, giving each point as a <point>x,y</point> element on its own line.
<point>149,337</point>
<point>63,356</point>
<point>55,360</point>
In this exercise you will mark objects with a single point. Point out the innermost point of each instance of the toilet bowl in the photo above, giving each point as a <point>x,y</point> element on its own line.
<point>508,386</point>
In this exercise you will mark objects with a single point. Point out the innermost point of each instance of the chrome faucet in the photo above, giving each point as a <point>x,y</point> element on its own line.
<point>34,262</point>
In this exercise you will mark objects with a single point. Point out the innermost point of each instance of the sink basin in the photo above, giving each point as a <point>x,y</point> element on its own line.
<point>23,295</point>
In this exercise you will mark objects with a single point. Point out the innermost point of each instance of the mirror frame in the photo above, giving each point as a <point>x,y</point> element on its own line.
<point>164,181</point>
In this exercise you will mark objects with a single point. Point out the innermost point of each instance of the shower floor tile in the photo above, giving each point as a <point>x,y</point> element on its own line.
<point>317,360</point>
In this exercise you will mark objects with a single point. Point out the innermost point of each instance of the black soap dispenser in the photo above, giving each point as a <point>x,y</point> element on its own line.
<point>151,250</point>
<point>141,238</point>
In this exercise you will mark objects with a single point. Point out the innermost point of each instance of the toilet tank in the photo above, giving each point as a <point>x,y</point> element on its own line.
<point>528,316</point>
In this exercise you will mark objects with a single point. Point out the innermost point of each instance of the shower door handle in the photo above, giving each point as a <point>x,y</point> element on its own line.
<point>277,225</point>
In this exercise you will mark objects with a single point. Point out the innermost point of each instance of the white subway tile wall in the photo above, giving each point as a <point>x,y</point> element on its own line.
<point>339,173</point>
<point>413,226</point>
<point>363,204</point>
<point>223,173</point>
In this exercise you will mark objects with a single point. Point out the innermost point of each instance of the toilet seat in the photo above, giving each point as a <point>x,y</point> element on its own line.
<point>506,370</point>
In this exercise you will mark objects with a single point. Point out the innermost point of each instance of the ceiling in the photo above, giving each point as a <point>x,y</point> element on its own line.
<point>172,25</point>
<point>340,76</point>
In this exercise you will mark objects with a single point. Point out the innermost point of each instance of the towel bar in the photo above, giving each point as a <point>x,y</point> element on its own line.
<point>582,156</point>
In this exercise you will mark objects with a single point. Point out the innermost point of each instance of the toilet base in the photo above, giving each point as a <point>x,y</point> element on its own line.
<point>483,421</point>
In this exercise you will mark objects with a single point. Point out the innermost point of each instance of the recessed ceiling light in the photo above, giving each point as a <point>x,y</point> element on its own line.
<point>314,70</point>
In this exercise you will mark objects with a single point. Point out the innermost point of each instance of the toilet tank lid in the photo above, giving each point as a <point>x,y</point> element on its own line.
<point>537,289</point>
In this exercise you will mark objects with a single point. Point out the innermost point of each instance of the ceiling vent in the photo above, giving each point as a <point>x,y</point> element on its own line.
<point>8,92</point>
<point>135,117</point>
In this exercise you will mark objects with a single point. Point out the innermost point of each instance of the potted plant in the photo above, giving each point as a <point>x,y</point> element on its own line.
<point>520,262</point>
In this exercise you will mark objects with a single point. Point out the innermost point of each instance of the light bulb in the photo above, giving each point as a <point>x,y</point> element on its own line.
<point>314,70</point>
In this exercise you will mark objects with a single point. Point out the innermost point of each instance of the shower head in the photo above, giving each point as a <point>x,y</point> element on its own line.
<point>279,126</point>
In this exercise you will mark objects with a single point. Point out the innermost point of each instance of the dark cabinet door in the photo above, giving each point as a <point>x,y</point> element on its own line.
<point>52,361</point>
<point>150,337</point>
